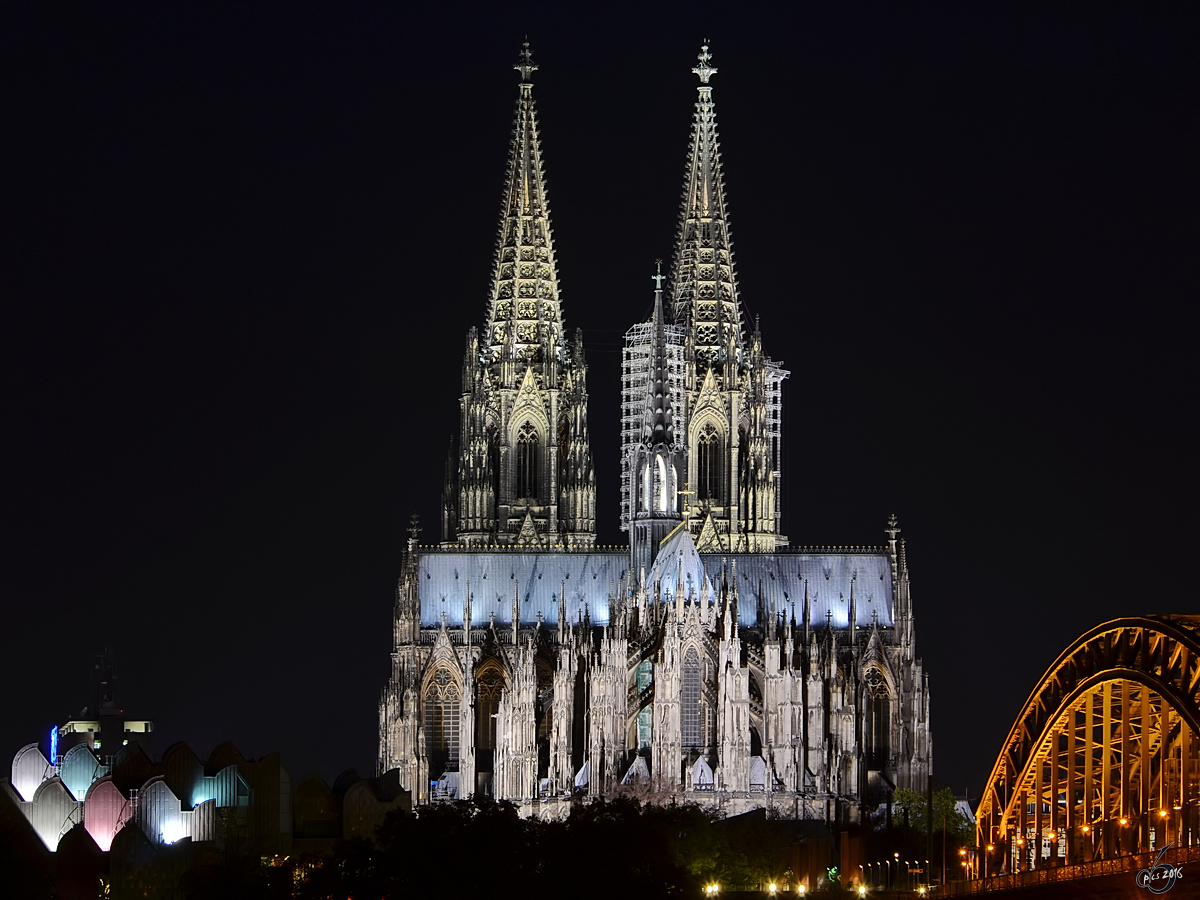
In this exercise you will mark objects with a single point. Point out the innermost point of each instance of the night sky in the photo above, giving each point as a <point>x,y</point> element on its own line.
<point>242,250</point>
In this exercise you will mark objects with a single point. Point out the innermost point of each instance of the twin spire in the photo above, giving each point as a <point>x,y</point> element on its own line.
<point>524,315</point>
<point>704,294</point>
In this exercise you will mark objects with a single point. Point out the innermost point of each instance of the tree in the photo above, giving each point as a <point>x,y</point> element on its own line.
<point>946,815</point>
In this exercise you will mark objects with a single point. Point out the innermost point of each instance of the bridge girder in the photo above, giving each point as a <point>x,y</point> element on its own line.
<point>1103,758</point>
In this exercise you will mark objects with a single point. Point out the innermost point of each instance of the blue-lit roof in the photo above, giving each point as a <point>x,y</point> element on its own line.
<point>494,576</point>
<point>781,577</point>
<point>677,557</point>
<point>589,577</point>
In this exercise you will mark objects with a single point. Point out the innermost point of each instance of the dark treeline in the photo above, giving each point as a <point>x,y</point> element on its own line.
<point>468,848</point>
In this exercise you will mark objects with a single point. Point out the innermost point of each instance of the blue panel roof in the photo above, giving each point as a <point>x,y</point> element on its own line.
<point>781,577</point>
<point>540,577</point>
<point>588,578</point>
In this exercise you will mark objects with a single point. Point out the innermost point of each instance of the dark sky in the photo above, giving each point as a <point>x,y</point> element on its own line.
<point>242,250</point>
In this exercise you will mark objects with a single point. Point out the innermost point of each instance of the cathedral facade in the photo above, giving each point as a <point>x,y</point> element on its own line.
<point>709,660</point>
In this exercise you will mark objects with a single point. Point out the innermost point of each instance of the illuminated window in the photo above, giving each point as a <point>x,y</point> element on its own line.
<point>490,686</point>
<point>690,714</point>
<point>878,719</point>
<point>708,465</point>
<point>645,718</point>
<point>662,484</point>
<point>441,723</point>
<point>527,463</point>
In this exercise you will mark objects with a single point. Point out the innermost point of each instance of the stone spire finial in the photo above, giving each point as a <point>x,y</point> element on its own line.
<point>525,64</point>
<point>516,611</point>
<point>658,278</point>
<point>704,70</point>
<point>892,529</point>
<point>467,616</point>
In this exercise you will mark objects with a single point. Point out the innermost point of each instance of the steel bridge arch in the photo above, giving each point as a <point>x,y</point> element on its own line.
<point>1103,759</point>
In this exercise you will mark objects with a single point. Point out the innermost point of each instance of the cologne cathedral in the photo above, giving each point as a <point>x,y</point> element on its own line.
<point>709,661</point>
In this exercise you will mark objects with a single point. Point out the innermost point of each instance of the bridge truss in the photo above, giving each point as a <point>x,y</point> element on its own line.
<point>1104,759</point>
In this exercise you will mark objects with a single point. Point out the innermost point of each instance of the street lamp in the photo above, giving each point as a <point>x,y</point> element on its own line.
<point>771,888</point>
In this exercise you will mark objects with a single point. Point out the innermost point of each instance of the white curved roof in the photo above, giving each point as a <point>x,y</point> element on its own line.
<point>678,559</point>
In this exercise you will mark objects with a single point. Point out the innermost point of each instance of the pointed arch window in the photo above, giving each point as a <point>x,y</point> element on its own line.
<point>490,686</point>
<point>527,463</point>
<point>663,486</point>
<point>879,723</point>
<point>544,714</point>
<point>442,699</point>
<point>645,717</point>
<point>708,465</point>
<point>690,710</point>
<point>564,446</point>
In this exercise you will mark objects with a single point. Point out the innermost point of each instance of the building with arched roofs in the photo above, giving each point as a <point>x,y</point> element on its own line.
<point>709,658</point>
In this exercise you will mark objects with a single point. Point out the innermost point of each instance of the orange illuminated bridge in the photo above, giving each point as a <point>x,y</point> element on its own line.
<point>1102,762</point>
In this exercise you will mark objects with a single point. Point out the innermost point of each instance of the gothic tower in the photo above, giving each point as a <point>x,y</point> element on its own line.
<point>658,463</point>
<point>727,407</point>
<point>524,473</point>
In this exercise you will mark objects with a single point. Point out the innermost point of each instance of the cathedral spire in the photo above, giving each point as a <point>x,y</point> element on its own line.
<point>657,426</point>
<point>704,293</point>
<point>524,317</point>
<point>525,467</point>
<point>657,464</point>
